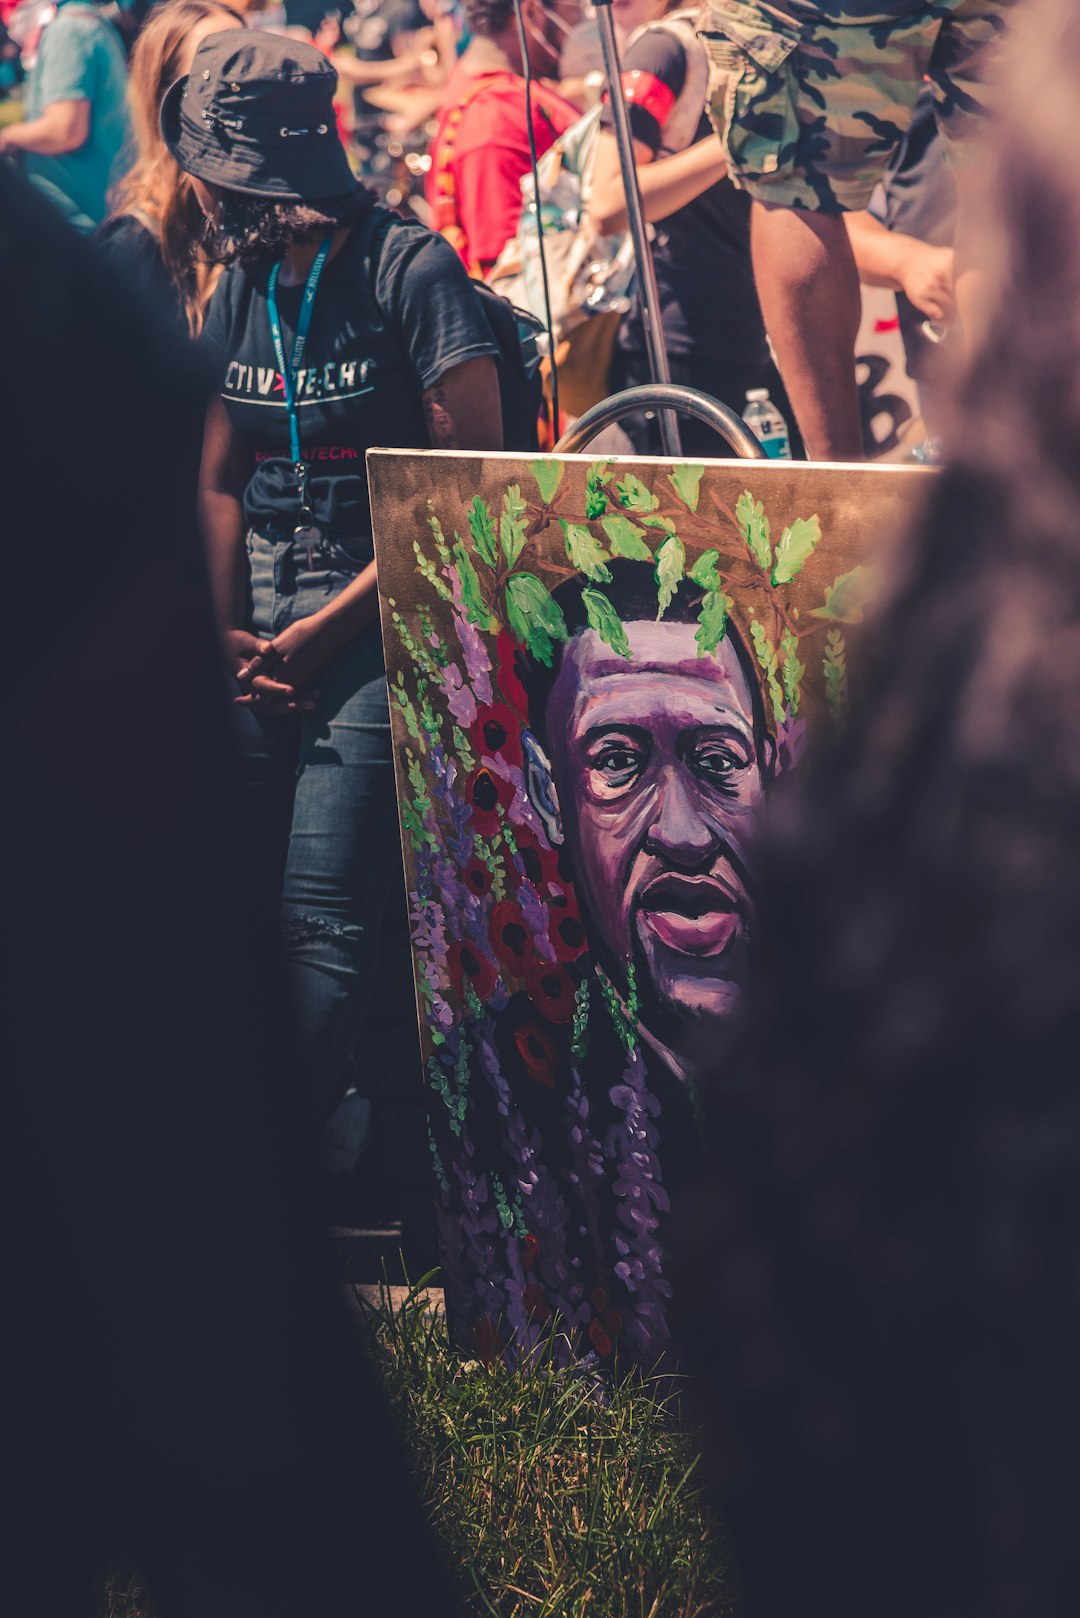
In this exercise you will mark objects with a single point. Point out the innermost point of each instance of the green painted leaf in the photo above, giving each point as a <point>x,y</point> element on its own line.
<point>482,529</point>
<point>766,656</point>
<point>440,539</point>
<point>548,475</point>
<point>634,496</point>
<point>686,481</point>
<point>475,606</point>
<point>626,539</point>
<point>586,552</point>
<point>427,569</point>
<point>660,522</point>
<point>750,515</point>
<point>712,621</point>
<point>834,668</point>
<point>596,497</point>
<point>845,598</point>
<point>533,616</point>
<point>512,524</point>
<point>605,620</point>
<point>704,571</point>
<point>795,548</point>
<point>792,670</point>
<point>670,567</point>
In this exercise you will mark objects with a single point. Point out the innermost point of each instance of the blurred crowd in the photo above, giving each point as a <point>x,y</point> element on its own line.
<point>430,106</point>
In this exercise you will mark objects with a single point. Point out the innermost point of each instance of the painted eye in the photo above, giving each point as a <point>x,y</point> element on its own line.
<point>719,764</point>
<point>617,765</point>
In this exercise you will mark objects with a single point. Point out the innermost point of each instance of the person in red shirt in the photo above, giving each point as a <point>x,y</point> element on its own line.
<point>481,145</point>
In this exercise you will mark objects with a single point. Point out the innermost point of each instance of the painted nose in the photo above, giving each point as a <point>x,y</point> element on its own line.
<point>680,834</point>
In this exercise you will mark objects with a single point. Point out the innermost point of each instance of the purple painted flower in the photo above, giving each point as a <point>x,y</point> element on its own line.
<point>477,661</point>
<point>790,743</point>
<point>640,1199</point>
<point>459,696</point>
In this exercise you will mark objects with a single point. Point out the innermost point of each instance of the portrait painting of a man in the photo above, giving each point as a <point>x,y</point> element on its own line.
<point>650,772</point>
<point>598,677</point>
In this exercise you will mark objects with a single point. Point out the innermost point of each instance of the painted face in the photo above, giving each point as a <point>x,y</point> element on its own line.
<point>658,781</point>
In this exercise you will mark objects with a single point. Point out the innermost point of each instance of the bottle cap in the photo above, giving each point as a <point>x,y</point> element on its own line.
<point>758,395</point>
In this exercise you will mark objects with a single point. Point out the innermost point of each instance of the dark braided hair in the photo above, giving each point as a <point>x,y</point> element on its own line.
<point>255,231</point>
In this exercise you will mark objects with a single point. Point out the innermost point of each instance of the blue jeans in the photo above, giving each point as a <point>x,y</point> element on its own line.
<point>323,812</point>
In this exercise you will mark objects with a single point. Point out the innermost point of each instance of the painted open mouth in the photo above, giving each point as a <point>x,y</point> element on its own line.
<point>695,915</point>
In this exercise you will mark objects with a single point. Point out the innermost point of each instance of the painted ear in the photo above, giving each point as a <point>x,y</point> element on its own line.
<point>540,786</point>
<point>768,756</point>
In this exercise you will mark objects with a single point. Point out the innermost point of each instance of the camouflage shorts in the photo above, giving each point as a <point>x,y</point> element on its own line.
<point>810,112</point>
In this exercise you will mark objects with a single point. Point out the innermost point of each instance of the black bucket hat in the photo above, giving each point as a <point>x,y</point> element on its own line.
<point>256,114</point>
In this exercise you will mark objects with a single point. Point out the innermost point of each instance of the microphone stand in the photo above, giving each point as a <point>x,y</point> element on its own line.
<point>648,297</point>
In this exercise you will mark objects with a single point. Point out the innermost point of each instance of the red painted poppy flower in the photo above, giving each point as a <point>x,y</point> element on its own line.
<point>566,931</point>
<point>496,731</point>
<point>536,1305</point>
<point>466,965</point>
<point>599,1299</point>
<point>485,794</point>
<point>613,1322</point>
<point>541,865</point>
<point>530,1249</point>
<point>538,1053</point>
<point>552,989</point>
<point>507,652</point>
<point>477,877</point>
<point>599,1338</point>
<point>485,1336</point>
<point>510,937</point>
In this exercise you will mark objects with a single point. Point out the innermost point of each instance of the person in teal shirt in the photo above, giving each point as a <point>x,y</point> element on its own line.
<point>75,134</point>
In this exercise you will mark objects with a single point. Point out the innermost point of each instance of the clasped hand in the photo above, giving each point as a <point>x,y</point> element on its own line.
<point>275,676</point>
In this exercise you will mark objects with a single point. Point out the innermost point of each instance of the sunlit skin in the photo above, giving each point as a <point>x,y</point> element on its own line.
<point>202,30</point>
<point>658,781</point>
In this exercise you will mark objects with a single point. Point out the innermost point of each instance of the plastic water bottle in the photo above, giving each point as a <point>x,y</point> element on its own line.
<point>767,424</point>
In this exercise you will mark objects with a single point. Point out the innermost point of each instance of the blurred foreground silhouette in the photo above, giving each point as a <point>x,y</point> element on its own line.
<point>881,1281</point>
<point>184,1390</point>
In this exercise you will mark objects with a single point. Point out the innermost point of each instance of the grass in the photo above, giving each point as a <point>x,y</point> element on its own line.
<point>559,1492</point>
<point>555,1493</point>
<point>123,1594</point>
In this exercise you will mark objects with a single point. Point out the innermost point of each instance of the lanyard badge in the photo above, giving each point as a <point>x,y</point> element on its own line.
<point>307,531</point>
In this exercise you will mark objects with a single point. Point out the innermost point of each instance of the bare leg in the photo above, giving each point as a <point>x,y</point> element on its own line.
<point>808,288</point>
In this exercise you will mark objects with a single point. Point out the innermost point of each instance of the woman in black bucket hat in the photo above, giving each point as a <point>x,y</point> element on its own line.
<point>335,327</point>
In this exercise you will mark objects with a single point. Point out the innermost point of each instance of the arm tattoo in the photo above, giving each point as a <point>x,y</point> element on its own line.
<point>439,420</point>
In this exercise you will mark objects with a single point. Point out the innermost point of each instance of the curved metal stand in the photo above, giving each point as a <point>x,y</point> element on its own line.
<point>659,396</point>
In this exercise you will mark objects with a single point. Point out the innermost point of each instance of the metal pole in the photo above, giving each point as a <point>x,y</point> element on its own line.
<point>648,296</point>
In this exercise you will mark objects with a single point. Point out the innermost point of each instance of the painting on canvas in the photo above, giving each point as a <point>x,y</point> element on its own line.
<point>598,672</point>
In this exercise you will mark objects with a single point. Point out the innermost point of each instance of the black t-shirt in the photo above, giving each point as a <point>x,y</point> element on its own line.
<point>134,253</point>
<point>368,359</point>
<point>701,252</point>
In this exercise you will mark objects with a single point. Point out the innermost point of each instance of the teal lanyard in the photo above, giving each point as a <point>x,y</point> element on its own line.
<point>290,373</point>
